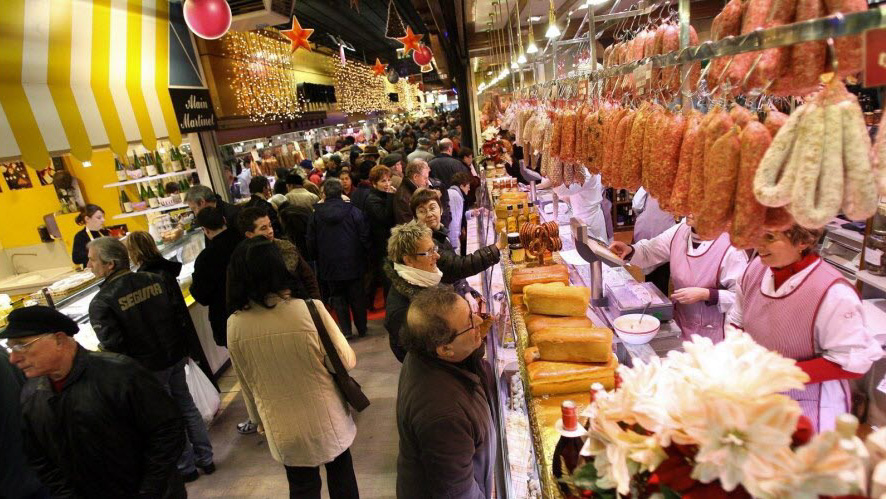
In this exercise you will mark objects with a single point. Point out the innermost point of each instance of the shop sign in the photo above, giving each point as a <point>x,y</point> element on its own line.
<point>193,109</point>
<point>875,57</point>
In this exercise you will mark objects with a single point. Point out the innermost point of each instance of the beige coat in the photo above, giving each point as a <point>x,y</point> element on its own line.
<point>282,367</point>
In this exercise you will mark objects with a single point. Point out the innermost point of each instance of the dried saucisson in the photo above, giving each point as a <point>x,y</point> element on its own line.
<point>878,158</point>
<point>567,137</point>
<point>808,168</point>
<point>696,185</point>
<point>774,180</point>
<point>649,149</point>
<point>556,134</point>
<point>860,193</point>
<point>848,48</point>
<point>721,176</point>
<point>666,166</point>
<point>633,155</point>
<point>746,228</point>
<point>775,119</point>
<point>807,59</point>
<point>682,184</point>
<point>741,116</point>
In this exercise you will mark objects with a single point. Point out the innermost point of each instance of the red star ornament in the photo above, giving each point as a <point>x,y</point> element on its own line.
<point>298,36</point>
<point>379,68</point>
<point>410,41</point>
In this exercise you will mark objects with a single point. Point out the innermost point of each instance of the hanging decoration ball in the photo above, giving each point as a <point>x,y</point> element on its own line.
<point>393,76</point>
<point>208,19</point>
<point>298,36</point>
<point>422,55</point>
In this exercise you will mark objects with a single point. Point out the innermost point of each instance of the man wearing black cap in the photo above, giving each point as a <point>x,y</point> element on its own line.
<point>139,315</point>
<point>95,424</point>
<point>298,195</point>
<point>394,161</point>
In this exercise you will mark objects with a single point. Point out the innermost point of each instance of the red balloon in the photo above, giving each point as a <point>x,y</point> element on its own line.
<point>423,55</point>
<point>209,19</point>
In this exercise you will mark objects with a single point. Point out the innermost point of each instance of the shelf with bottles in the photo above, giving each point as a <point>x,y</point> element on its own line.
<point>152,195</point>
<point>160,209</point>
<point>151,179</point>
<point>142,165</point>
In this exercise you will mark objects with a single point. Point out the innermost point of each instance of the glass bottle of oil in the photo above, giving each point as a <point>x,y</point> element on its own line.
<point>511,220</point>
<point>533,213</point>
<point>521,215</point>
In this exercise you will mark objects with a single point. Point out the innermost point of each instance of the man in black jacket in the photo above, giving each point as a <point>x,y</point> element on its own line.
<point>17,479</point>
<point>95,424</point>
<point>416,176</point>
<point>260,190</point>
<point>140,315</point>
<point>200,196</point>
<point>338,238</point>
<point>444,416</point>
<point>444,166</point>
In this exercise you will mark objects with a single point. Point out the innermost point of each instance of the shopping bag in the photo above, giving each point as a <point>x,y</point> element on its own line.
<point>205,396</point>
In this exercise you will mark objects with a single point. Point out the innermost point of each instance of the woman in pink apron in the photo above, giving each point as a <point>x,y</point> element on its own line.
<point>796,304</point>
<point>652,221</point>
<point>705,275</point>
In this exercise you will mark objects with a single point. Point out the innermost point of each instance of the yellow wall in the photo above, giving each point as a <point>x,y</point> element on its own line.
<point>23,210</point>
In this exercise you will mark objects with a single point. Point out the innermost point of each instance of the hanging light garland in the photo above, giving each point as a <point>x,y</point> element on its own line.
<point>357,89</point>
<point>262,76</point>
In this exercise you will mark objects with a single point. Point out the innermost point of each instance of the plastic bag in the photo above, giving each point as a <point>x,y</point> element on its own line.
<point>205,396</point>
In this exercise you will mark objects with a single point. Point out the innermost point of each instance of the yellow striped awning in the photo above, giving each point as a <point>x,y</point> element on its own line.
<point>79,74</point>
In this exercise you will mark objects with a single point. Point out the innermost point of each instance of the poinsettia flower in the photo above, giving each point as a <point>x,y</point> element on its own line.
<point>735,431</point>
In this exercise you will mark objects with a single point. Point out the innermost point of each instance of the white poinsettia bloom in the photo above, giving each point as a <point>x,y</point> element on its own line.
<point>735,431</point>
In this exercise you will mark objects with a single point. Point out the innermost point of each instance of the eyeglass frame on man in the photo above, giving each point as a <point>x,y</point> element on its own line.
<point>24,347</point>
<point>483,315</point>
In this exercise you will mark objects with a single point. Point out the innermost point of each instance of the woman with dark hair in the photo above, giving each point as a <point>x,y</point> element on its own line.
<point>281,364</point>
<point>294,220</point>
<point>93,217</point>
<point>793,302</point>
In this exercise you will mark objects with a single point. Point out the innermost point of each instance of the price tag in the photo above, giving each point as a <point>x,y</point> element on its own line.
<point>875,57</point>
<point>642,76</point>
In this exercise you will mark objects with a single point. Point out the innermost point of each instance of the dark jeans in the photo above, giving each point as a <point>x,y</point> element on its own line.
<point>198,449</point>
<point>346,298</point>
<point>305,483</point>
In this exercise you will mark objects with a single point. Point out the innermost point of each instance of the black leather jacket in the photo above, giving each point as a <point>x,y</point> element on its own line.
<point>139,315</point>
<point>112,431</point>
<point>456,267</point>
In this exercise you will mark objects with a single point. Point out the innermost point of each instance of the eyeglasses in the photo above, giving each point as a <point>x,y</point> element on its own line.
<point>432,251</point>
<point>25,346</point>
<point>476,310</point>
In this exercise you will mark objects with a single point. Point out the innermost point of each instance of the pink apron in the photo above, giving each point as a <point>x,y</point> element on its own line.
<point>783,324</point>
<point>701,271</point>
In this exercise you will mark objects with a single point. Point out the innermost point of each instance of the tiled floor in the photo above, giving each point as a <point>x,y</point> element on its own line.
<point>246,468</point>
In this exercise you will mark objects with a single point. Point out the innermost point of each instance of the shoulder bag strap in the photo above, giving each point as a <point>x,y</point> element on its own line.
<point>325,339</point>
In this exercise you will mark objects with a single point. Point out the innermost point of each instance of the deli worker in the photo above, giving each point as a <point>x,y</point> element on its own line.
<point>652,221</point>
<point>705,275</point>
<point>794,303</point>
<point>586,201</point>
<point>93,217</point>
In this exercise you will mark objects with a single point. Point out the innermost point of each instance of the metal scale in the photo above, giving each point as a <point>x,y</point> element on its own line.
<point>624,295</point>
<point>842,249</point>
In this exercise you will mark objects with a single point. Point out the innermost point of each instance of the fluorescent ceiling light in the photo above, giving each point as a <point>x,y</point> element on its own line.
<point>532,48</point>
<point>522,58</point>
<point>553,31</point>
<point>534,19</point>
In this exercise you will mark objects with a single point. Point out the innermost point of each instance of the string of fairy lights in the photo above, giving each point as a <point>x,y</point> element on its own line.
<point>262,76</point>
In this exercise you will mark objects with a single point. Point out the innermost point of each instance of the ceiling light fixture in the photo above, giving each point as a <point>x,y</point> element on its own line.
<point>531,47</point>
<point>553,31</point>
<point>534,19</point>
<point>521,59</point>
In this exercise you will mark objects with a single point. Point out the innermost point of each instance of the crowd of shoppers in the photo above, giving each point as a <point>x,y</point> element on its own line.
<point>327,234</point>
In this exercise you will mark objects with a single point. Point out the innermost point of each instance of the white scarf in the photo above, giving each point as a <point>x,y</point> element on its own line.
<point>418,277</point>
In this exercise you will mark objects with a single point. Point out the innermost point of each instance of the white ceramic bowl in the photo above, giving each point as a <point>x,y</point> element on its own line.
<point>630,329</point>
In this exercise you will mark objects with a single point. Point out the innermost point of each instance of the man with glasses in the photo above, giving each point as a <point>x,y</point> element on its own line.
<point>444,417</point>
<point>94,424</point>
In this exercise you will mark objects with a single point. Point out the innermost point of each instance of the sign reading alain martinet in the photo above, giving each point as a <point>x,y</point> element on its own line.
<point>193,109</point>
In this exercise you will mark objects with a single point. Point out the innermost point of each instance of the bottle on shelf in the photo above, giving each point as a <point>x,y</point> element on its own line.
<point>567,452</point>
<point>150,165</point>
<point>161,192</point>
<point>153,202</point>
<point>142,193</point>
<point>184,186</point>
<point>521,215</point>
<point>175,158</point>
<point>119,169</point>
<point>158,163</point>
<point>533,213</point>
<point>125,204</point>
<point>511,220</point>
<point>137,164</point>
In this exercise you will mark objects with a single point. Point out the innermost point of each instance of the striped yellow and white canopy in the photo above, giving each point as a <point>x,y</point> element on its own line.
<point>81,74</point>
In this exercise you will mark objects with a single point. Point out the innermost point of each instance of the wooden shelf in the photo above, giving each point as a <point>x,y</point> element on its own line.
<point>150,179</point>
<point>152,210</point>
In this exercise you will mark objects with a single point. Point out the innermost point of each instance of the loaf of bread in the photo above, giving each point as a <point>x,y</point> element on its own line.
<point>556,298</point>
<point>554,378</point>
<point>535,322</point>
<point>574,345</point>
<point>530,355</point>
<point>532,275</point>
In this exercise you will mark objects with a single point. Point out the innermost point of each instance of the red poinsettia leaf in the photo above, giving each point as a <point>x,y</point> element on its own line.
<point>803,433</point>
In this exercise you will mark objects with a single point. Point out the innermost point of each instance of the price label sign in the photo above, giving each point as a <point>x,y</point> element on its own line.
<point>642,75</point>
<point>875,57</point>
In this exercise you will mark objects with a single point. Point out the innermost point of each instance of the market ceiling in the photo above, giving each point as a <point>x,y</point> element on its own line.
<point>569,13</point>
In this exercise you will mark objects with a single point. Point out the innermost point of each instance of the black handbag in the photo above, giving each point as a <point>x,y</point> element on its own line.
<point>347,384</point>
